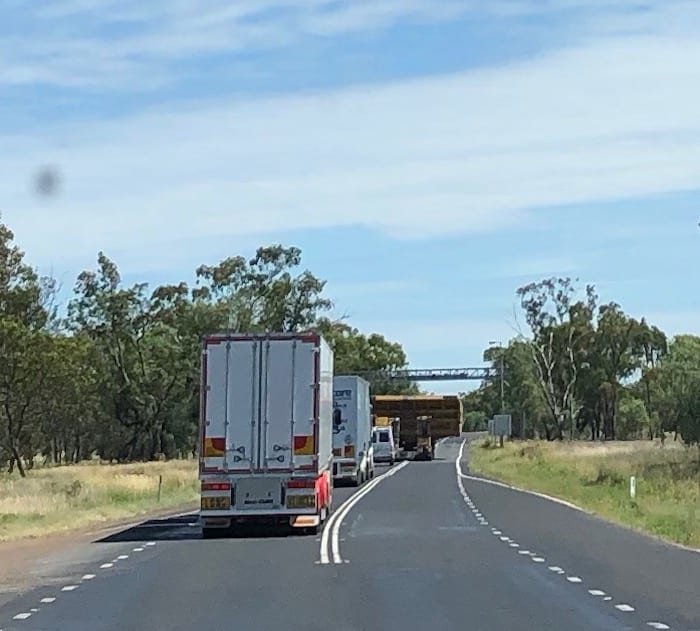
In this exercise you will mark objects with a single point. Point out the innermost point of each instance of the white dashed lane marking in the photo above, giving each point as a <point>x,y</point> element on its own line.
<point>47,600</point>
<point>624,607</point>
<point>556,569</point>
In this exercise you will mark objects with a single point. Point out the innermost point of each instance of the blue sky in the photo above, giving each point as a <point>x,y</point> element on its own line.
<point>428,156</point>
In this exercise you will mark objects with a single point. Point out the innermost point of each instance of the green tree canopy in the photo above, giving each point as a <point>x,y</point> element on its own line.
<point>118,377</point>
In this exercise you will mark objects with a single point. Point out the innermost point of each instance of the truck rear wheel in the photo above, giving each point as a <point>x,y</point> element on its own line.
<point>211,533</point>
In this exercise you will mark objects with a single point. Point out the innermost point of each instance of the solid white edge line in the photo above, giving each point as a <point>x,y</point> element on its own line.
<point>334,528</point>
<point>325,535</point>
<point>572,579</point>
<point>339,514</point>
<point>570,505</point>
<point>335,543</point>
<point>520,490</point>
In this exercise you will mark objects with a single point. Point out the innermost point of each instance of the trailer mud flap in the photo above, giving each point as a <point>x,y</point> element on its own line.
<point>305,521</point>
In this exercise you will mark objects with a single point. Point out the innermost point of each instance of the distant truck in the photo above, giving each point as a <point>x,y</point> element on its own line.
<point>266,433</point>
<point>353,455</point>
<point>444,412</point>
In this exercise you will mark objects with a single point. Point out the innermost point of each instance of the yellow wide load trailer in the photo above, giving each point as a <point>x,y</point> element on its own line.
<point>444,413</point>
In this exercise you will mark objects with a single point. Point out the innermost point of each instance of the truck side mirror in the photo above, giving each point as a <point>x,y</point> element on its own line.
<point>336,417</point>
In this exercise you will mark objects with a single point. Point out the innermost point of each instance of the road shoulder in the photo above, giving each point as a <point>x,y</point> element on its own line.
<point>23,562</point>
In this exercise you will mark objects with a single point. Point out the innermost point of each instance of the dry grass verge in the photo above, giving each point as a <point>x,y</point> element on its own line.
<point>59,499</point>
<point>596,476</point>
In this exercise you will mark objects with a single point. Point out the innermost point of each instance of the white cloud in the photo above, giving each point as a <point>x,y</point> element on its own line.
<point>445,343</point>
<point>453,154</point>
<point>536,267</point>
<point>463,339</point>
<point>133,44</point>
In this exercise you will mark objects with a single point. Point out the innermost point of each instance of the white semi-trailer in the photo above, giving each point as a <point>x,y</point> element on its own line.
<point>266,431</point>
<point>353,454</point>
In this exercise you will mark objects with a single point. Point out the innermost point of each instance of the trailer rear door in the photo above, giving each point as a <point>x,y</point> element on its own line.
<point>259,404</point>
<point>288,407</point>
<point>231,382</point>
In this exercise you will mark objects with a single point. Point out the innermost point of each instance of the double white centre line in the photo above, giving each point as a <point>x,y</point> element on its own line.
<point>330,539</point>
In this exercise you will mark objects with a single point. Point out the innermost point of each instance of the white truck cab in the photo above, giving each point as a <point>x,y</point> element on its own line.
<point>383,442</point>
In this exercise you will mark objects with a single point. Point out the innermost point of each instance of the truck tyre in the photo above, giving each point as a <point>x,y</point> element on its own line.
<point>210,533</point>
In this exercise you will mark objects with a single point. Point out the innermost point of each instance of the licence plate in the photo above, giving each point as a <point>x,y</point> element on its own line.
<point>301,501</point>
<point>216,503</point>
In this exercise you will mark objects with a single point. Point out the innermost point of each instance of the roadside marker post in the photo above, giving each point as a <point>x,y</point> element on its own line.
<point>633,486</point>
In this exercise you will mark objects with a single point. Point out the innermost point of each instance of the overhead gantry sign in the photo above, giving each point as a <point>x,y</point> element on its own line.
<point>435,374</point>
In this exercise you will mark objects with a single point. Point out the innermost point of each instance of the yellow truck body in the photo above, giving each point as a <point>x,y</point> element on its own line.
<point>445,414</point>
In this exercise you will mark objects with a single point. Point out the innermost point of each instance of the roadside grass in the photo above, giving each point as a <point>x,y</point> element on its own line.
<point>58,499</point>
<point>596,476</point>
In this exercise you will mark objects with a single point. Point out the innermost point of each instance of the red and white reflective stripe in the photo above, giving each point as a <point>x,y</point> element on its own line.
<point>312,338</point>
<point>301,483</point>
<point>216,486</point>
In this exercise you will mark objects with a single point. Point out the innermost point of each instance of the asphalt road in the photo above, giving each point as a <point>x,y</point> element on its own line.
<point>422,546</point>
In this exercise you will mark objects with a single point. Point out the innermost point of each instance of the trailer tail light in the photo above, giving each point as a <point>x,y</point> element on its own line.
<point>216,486</point>
<point>301,501</point>
<point>301,483</point>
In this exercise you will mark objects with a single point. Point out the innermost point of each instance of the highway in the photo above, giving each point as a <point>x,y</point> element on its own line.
<point>424,545</point>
